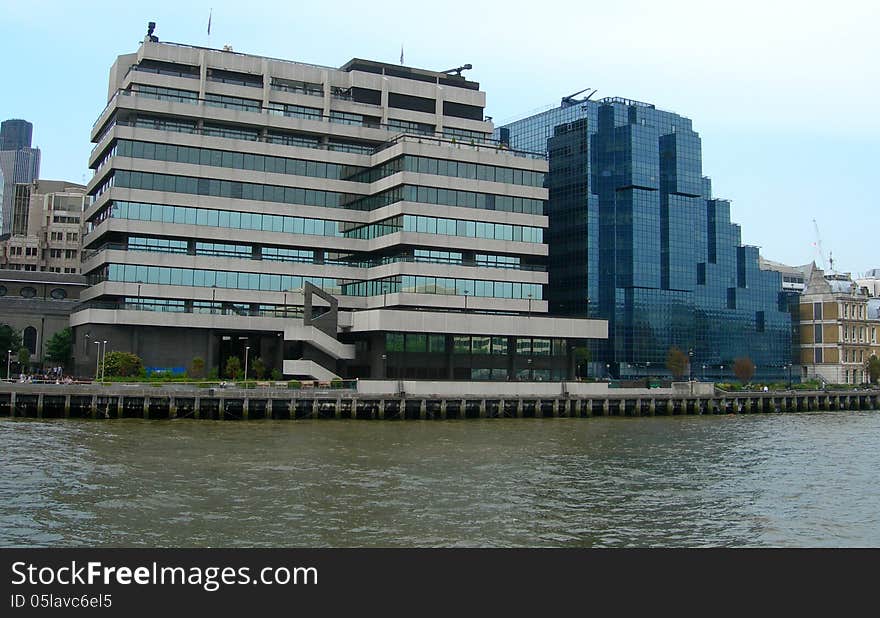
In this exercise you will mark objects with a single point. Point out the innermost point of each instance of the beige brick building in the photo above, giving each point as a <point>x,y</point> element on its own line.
<point>838,332</point>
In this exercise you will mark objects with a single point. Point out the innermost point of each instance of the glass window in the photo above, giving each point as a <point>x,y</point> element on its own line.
<point>416,343</point>
<point>394,342</point>
<point>461,344</point>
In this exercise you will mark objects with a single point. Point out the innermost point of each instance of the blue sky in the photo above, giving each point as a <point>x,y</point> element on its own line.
<point>784,94</point>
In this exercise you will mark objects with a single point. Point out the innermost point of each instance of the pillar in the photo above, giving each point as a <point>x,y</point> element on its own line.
<point>196,405</point>
<point>40,405</point>
<point>482,408</point>
<point>66,405</point>
<point>337,414</point>
<point>443,408</point>
<point>172,407</point>
<point>519,408</point>
<point>12,405</point>
<point>606,407</point>
<point>382,409</point>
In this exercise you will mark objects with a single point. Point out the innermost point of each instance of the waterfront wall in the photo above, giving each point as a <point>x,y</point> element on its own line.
<point>388,401</point>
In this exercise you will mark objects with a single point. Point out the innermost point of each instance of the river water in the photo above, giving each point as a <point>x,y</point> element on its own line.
<point>791,480</point>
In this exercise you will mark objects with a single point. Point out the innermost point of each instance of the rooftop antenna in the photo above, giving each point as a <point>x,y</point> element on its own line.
<point>151,26</point>
<point>458,70</point>
<point>818,245</point>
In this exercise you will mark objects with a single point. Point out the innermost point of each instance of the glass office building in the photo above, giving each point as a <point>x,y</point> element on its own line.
<point>637,238</point>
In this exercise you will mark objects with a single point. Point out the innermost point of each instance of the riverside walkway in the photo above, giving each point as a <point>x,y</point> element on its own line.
<point>402,399</point>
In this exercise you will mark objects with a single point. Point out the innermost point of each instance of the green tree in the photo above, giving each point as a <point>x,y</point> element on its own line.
<point>122,364</point>
<point>10,339</point>
<point>259,368</point>
<point>59,348</point>
<point>676,362</point>
<point>743,368</point>
<point>197,367</point>
<point>581,360</point>
<point>873,368</point>
<point>24,358</point>
<point>233,367</point>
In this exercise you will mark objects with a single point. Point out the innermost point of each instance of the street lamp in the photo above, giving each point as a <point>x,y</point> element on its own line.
<point>530,306</point>
<point>704,373</point>
<point>690,364</point>
<point>608,370</point>
<point>789,376</point>
<point>104,364</point>
<point>98,360</point>
<point>384,368</point>
<point>8,362</point>
<point>531,371</point>
<point>247,349</point>
<point>466,292</point>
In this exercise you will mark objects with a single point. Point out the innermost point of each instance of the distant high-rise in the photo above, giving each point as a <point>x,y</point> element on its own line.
<point>15,134</point>
<point>19,163</point>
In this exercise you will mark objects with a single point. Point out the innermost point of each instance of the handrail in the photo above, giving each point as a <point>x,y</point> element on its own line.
<point>437,137</point>
<point>88,254</point>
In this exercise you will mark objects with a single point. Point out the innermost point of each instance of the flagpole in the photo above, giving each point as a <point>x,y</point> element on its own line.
<point>210,14</point>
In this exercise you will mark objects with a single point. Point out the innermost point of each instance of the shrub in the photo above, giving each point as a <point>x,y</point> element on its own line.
<point>336,383</point>
<point>233,367</point>
<point>276,375</point>
<point>294,384</point>
<point>259,368</point>
<point>744,369</point>
<point>123,364</point>
<point>197,367</point>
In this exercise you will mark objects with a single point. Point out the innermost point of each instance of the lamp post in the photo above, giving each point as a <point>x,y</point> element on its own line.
<point>529,314</point>
<point>214,298</point>
<point>98,360</point>
<point>384,368</point>
<point>385,294</point>
<point>139,291</point>
<point>704,373</point>
<point>722,373</point>
<point>789,376</point>
<point>608,370</point>
<point>531,371</point>
<point>690,364</point>
<point>466,292</point>
<point>8,362</point>
<point>247,349</point>
<point>104,364</point>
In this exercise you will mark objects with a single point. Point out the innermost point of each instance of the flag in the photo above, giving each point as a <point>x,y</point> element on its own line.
<point>209,21</point>
<point>401,53</point>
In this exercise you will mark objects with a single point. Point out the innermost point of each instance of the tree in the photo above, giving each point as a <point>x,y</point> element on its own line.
<point>872,367</point>
<point>122,364</point>
<point>743,368</point>
<point>259,368</point>
<point>197,367</point>
<point>10,339</point>
<point>24,358</point>
<point>676,362</point>
<point>59,348</point>
<point>233,367</point>
<point>581,359</point>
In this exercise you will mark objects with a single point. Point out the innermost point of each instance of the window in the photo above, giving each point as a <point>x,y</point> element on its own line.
<point>58,294</point>
<point>28,292</point>
<point>29,339</point>
<point>394,342</point>
<point>817,333</point>
<point>817,311</point>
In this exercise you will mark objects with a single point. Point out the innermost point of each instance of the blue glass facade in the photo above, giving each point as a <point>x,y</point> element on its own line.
<point>636,238</point>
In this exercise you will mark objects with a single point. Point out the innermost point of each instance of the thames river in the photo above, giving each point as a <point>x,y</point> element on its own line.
<point>790,480</point>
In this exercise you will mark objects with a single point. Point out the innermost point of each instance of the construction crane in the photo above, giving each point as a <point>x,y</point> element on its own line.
<point>817,244</point>
<point>570,99</point>
<point>457,70</point>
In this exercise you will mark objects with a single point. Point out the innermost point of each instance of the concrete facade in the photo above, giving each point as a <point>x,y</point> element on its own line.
<point>225,183</point>
<point>38,305</point>
<point>46,228</point>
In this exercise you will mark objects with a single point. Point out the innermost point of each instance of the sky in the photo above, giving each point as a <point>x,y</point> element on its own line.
<point>783,94</point>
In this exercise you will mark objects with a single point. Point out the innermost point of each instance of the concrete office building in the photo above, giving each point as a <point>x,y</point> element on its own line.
<point>636,237</point>
<point>354,222</point>
<point>46,228</point>
<point>19,163</point>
